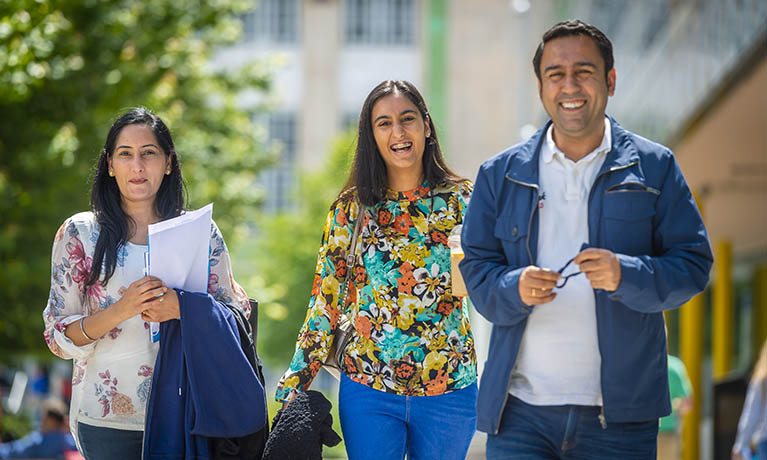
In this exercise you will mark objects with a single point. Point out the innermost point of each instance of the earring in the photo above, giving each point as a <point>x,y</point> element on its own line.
<point>111,173</point>
<point>167,172</point>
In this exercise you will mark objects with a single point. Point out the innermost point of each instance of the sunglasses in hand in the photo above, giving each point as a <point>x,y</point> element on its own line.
<point>563,281</point>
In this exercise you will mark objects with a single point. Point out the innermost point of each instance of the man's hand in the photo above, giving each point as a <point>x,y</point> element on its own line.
<point>601,267</point>
<point>535,285</point>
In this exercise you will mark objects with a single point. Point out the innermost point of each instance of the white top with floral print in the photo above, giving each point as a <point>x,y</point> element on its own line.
<point>112,376</point>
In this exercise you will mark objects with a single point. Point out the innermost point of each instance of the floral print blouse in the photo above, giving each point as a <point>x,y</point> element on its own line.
<point>411,335</point>
<point>111,377</point>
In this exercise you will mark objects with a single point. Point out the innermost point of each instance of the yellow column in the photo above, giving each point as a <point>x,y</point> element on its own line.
<point>722,314</point>
<point>691,352</point>
<point>759,310</point>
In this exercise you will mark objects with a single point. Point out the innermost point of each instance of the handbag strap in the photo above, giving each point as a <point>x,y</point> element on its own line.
<point>351,257</point>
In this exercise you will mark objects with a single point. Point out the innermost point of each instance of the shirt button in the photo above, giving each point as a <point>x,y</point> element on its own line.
<point>514,231</point>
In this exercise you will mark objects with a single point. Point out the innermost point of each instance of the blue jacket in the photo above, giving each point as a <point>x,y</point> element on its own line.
<point>641,208</point>
<point>203,385</point>
<point>53,444</point>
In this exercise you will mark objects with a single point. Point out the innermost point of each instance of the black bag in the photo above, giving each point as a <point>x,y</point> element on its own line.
<point>250,447</point>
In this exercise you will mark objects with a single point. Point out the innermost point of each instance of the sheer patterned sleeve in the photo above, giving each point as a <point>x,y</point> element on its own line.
<point>221,283</point>
<point>316,334</point>
<point>67,303</point>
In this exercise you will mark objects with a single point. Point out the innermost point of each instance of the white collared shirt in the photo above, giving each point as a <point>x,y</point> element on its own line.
<point>559,361</point>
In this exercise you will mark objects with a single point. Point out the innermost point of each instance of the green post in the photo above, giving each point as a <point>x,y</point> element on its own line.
<point>436,66</point>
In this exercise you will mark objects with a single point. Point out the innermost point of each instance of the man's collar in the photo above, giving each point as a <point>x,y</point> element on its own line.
<point>524,164</point>
<point>550,147</point>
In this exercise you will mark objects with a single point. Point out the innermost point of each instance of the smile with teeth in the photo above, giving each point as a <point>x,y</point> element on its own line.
<point>401,146</point>
<point>573,104</point>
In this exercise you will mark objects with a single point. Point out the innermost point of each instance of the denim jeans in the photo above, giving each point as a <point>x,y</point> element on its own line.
<point>530,432</point>
<point>99,443</point>
<point>386,426</point>
<point>761,450</point>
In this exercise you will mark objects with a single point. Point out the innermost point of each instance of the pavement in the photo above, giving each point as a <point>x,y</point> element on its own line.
<point>477,447</point>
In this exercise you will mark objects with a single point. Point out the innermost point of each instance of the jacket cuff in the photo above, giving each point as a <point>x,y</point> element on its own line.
<point>510,290</point>
<point>628,288</point>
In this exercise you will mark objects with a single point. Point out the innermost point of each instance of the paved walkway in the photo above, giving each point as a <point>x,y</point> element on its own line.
<point>477,448</point>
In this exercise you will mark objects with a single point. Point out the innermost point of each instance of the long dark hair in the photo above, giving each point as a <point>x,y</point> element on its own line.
<point>105,196</point>
<point>368,177</point>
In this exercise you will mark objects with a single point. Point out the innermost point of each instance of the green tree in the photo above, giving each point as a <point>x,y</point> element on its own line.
<point>67,69</point>
<point>285,255</point>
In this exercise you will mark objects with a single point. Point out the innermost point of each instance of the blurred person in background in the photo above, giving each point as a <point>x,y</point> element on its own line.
<point>100,302</point>
<point>670,428</point>
<point>751,440</point>
<point>53,440</point>
<point>577,364</point>
<point>408,385</point>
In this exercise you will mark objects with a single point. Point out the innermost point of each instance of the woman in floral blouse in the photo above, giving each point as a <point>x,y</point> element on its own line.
<point>409,370</point>
<point>100,302</point>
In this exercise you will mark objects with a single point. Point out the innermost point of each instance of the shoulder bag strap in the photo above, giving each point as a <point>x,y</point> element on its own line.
<point>351,257</point>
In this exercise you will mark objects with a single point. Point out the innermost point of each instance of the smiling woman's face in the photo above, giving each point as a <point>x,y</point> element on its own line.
<point>138,164</point>
<point>400,133</point>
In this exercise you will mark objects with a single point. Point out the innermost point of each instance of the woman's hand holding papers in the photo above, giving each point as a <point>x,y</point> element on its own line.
<point>135,299</point>
<point>162,308</point>
<point>138,297</point>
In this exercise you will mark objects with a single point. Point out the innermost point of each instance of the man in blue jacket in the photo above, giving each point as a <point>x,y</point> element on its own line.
<point>575,243</point>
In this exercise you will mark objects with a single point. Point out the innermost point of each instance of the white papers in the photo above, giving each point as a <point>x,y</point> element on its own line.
<point>178,250</point>
<point>178,253</point>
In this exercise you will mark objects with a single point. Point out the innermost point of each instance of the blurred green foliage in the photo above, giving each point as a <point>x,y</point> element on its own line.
<point>67,70</point>
<point>15,426</point>
<point>284,255</point>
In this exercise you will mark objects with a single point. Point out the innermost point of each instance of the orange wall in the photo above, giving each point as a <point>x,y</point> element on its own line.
<point>724,159</point>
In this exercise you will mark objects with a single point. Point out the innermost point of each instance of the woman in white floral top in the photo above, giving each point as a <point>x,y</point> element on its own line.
<point>100,303</point>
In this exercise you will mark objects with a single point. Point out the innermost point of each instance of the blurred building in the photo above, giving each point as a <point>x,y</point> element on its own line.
<point>690,74</point>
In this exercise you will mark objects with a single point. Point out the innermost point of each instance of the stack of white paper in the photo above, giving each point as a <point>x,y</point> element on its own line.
<point>178,252</point>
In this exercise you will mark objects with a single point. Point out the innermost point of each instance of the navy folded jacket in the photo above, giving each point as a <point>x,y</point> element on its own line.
<point>203,385</point>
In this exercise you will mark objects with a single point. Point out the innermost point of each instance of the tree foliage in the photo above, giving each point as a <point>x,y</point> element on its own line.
<point>285,255</point>
<point>67,69</point>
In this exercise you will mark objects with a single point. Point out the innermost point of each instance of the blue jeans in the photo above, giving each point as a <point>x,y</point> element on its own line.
<point>761,450</point>
<point>386,426</point>
<point>530,432</point>
<point>99,443</point>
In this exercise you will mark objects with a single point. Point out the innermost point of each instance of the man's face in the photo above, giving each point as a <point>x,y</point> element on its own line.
<point>573,88</point>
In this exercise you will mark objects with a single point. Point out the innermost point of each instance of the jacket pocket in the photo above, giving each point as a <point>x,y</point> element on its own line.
<point>627,218</point>
<point>511,230</point>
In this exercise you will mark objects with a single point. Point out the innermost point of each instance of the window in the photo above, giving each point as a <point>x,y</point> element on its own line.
<point>274,21</point>
<point>278,181</point>
<point>380,22</point>
<point>282,129</point>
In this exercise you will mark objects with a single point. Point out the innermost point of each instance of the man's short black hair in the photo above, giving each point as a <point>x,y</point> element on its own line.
<point>55,408</point>
<point>575,27</point>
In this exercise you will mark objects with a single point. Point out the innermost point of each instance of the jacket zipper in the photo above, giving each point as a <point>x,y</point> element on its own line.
<point>530,257</point>
<point>601,416</point>
<point>645,188</point>
<point>532,214</point>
